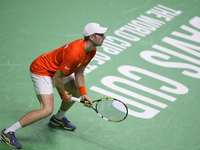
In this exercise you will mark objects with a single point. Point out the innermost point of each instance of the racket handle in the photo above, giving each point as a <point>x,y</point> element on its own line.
<point>77,99</point>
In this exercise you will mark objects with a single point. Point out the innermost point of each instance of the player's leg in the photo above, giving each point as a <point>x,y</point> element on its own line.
<point>59,119</point>
<point>44,92</point>
<point>8,135</point>
<point>47,106</point>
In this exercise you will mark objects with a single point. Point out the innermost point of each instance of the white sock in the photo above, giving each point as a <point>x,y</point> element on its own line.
<point>60,114</point>
<point>13,128</point>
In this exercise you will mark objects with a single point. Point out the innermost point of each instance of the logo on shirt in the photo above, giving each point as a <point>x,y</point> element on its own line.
<point>66,45</point>
<point>67,68</point>
<point>79,65</point>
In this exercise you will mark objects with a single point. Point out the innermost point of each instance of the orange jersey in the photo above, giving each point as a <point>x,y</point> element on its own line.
<point>67,58</point>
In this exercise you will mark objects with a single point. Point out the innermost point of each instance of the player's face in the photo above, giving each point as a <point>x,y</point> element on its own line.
<point>98,39</point>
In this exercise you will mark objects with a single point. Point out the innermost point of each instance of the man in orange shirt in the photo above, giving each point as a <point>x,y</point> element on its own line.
<point>57,67</point>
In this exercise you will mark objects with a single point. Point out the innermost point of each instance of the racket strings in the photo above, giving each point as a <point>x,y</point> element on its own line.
<point>112,109</point>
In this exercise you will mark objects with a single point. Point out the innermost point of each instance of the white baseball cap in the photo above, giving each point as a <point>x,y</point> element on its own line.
<point>92,28</point>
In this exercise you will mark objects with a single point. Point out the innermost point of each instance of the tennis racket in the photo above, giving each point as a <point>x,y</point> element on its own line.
<point>110,109</point>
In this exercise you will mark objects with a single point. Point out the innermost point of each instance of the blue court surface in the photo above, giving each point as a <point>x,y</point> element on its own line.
<point>150,60</point>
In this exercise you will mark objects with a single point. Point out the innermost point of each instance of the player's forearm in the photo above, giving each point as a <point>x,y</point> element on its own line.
<point>59,85</point>
<point>80,79</point>
<point>57,79</point>
<point>60,88</point>
<point>79,75</point>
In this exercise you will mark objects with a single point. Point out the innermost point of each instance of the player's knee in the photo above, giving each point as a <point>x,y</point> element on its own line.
<point>46,112</point>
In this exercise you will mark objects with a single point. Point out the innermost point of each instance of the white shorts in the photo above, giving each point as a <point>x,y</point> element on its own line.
<point>44,84</point>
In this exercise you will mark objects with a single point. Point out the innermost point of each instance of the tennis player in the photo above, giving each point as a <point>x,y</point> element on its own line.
<point>64,68</point>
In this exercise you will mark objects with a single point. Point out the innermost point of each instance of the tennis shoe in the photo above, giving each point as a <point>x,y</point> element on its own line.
<point>64,123</point>
<point>10,139</point>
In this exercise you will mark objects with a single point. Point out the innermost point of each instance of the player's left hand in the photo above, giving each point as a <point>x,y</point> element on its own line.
<point>85,97</point>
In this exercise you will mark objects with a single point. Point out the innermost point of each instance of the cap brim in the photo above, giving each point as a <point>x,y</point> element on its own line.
<point>102,30</point>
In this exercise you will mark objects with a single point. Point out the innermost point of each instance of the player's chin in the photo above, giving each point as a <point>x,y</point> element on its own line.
<point>101,43</point>
<point>98,45</point>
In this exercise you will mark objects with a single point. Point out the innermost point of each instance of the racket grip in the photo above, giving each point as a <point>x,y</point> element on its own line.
<point>77,99</point>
